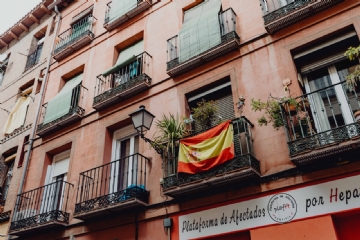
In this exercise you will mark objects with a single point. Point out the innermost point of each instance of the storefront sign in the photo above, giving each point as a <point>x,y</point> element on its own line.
<point>320,199</point>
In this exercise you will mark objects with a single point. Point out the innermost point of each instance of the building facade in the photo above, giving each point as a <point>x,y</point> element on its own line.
<point>92,175</point>
<point>25,48</point>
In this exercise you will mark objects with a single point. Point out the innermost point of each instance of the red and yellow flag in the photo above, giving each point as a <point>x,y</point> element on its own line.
<point>206,150</point>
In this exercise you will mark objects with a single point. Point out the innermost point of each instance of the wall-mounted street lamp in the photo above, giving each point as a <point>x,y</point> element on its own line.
<point>142,120</point>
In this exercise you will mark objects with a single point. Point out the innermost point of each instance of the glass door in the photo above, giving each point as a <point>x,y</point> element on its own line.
<point>125,163</point>
<point>331,103</point>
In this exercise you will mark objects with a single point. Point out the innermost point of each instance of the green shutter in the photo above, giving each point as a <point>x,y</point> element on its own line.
<point>126,56</point>
<point>118,8</point>
<point>200,30</point>
<point>60,104</point>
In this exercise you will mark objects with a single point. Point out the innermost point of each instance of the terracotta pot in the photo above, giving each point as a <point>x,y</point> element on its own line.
<point>357,116</point>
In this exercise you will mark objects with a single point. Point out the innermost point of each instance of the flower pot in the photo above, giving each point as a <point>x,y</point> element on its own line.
<point>357,116</point>
<point>290,108</point>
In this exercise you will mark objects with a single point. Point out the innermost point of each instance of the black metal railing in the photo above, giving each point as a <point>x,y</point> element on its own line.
<point>75,107</point>
<point>112,183</point>
<point>321,117</point>
<point>243,144</point>
<point>108,9</point>
<point>42,205</point>
<point>227,20</point>
<point>80,29</point>
<point>34,57</point>
<point>123,78</point>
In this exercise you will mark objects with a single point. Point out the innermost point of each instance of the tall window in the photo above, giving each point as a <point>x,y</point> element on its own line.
<point>125,149</point>
<point>3,66</point>
<point>9,161</point>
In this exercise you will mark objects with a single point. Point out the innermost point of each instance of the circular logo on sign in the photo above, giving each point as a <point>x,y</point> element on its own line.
<point>282,208</point>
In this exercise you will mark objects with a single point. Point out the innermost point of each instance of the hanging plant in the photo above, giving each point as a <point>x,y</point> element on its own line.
<point>353,53</point>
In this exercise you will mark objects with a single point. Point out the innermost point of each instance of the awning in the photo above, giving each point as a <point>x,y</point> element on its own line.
<point>118,8</point>
<point>61,103</point>
<point>200,30</point>
<point>126,56</point>
<point>17,115</point>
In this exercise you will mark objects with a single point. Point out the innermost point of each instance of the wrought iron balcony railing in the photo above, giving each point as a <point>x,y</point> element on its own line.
<point>279,14</point>
<point>76,112</point>
<point>112,187</point>
<point>229,42</point>
<point>42,207</point>
<point>75,37</point>
<point>34,57</point>
<point>112,20</point>
<point>124,82</point>
<point>321,119</point>
<point>243,167</point>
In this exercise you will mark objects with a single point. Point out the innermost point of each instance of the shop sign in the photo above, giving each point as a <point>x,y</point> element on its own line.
<point>330,197</point>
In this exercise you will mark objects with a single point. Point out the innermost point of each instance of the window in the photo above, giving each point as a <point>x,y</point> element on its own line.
<point>327,103</point>
<point>65,101</point>
<point>56,174</point>
<point>17,116</point>
<point>128,65</point>
<point>3,66</point>
<point>200,30</point>
<point>222,95</point>
<point>125,150</point>
<point>9,161</point>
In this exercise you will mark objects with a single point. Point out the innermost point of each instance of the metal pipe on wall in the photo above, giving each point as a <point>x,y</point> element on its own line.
<point>33,134</point>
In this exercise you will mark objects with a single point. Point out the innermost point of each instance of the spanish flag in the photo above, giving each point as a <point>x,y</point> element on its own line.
<point>206,150</point>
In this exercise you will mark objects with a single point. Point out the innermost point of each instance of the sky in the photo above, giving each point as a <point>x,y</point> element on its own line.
<point>11,11</point>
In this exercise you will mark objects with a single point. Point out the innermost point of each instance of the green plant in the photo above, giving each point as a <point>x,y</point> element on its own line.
<point>205,113</point>
<point>169,130</point>
<point>352,53</point>
<point>272,110</point>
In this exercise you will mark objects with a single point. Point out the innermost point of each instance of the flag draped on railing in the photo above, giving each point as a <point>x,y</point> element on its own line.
<point>206,150</point>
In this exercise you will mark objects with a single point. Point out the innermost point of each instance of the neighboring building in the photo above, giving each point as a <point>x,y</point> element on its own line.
<point>92,175</point>
<point>25,48</point>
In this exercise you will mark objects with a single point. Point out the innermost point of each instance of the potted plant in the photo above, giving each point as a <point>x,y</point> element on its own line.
<point>272,110</point>
<point>353,53</point>
<point>169,131</point>
<point>301,127</point>
<point>205,113</point>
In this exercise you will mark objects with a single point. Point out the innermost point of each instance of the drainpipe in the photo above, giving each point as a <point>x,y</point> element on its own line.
<point>33,134</point>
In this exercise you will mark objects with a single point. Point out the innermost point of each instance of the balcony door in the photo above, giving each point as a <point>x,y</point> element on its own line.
<point>332,103</point>
<point>54,183</point>
<point>124,159</point>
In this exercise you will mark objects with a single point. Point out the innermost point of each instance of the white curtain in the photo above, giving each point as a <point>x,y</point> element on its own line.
<point>17,115</point>
<point>200,30</point>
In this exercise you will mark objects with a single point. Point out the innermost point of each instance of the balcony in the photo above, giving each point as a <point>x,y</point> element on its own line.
<point>34,57</point>
<point>241,170</point>
<point>41,208</point>
<point>113,19</point>
<point>230,41</point>
<point>79,35</point>
<point>125,82</point>
<point>112,187</point>
<point>75,113</point>
<point>322,127</point>
<point>279,14</point>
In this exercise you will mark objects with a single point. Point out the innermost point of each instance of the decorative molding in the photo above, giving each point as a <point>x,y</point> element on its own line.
<point>15,133</point>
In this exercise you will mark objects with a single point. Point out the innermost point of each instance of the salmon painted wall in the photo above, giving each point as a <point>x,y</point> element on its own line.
<point>255,70</point>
